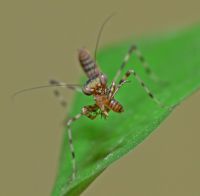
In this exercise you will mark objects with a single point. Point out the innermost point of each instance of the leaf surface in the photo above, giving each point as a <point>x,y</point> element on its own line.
<point>175,58</point>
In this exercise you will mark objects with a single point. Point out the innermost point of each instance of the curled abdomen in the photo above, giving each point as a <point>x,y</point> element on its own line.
<point>115,106</point>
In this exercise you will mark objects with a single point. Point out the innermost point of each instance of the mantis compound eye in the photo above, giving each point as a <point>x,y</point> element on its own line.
<point>87,91</point>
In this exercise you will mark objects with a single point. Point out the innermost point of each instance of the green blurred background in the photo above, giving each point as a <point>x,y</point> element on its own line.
<point>39,41</point>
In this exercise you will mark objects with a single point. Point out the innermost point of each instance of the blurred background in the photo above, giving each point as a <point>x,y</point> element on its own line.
<point>39,41</point>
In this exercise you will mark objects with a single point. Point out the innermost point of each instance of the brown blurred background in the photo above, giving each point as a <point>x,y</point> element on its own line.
<point>39,41</point>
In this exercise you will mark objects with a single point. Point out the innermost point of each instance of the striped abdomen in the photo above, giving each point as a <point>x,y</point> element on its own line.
<point>88,64</point>
<point>115,106</point>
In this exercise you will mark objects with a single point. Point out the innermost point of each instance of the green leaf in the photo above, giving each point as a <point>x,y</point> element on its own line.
<point>175,58</point>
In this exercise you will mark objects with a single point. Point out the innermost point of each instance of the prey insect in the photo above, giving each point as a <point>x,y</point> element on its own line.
<point>98,87</point>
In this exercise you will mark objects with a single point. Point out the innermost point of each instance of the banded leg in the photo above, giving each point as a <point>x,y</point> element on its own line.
<point>125,77</point>
<point>144,63</point>
<point>57,94</point>
<point>57,84</point>
<point>114,88</point>
<point>90,112</point>
<point>150,94</point>
<point>71,143</point>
